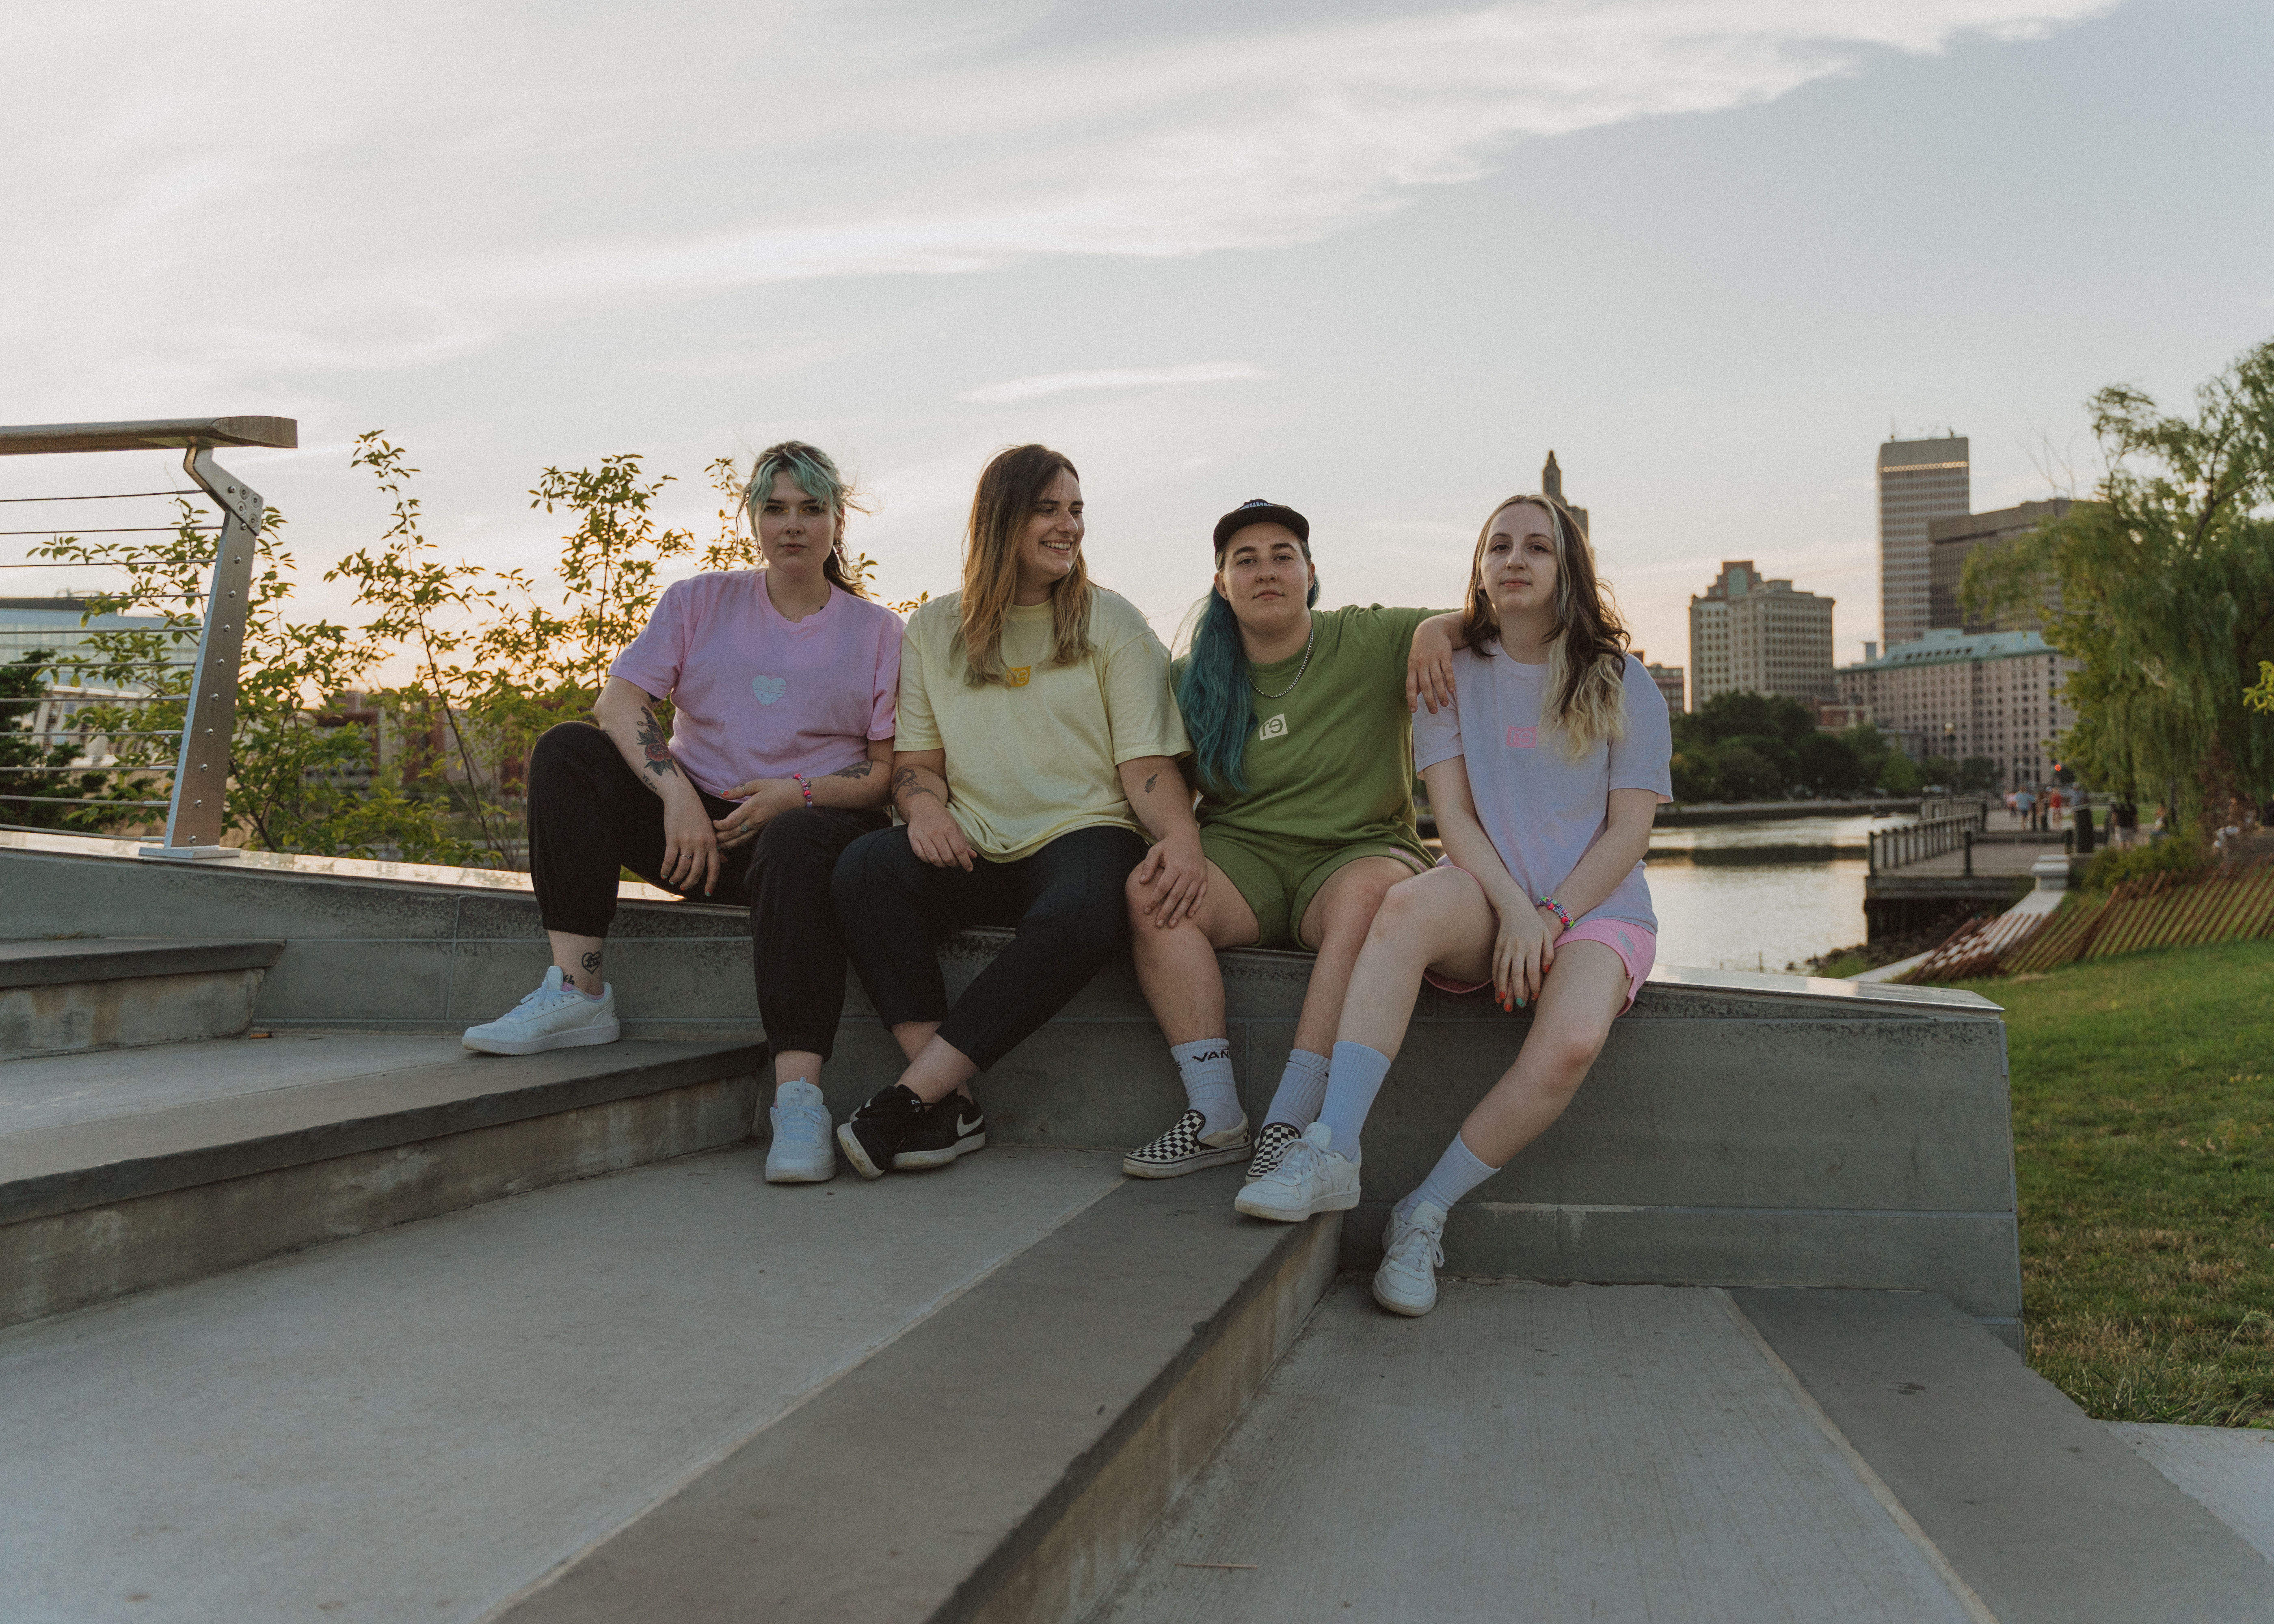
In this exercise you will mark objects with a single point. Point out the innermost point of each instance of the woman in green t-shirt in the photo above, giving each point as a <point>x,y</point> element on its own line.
<point>1037,749</point>
<point>1302,735</point>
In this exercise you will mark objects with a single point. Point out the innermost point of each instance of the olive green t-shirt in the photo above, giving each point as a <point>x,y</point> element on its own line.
<point>1330,762</point>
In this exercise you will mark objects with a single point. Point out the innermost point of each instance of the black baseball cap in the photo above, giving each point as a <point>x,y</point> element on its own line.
<point>1257,511</point>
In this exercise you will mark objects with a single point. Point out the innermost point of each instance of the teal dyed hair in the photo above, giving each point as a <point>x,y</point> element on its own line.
<point>1218,705</point>
<point>817,476</point>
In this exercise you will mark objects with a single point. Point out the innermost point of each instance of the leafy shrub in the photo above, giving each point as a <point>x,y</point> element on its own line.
<point>2174,856</point>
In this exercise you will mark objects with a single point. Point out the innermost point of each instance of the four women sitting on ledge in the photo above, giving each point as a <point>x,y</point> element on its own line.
<point>1031,734</point>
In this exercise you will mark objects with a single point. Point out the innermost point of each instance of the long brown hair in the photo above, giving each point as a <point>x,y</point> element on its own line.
<point>1006,499</point>
<point>1587,650</point>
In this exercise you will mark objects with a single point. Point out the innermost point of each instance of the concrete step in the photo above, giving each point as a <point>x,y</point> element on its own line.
<point>132,1168</point>
<point>674,1393</point>
<point>1632,1453</point>
<point>64,996</point>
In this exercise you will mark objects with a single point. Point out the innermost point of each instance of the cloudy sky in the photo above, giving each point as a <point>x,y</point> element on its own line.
<point>1373,259</point>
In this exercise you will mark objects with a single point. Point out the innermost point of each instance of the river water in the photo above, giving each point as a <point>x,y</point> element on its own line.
<point>1759,896</point>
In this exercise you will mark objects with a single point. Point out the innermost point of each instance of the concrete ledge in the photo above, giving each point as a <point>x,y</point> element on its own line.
<point>1960,1255</point>
<point>1731,1112</point>
<point>1001,1461</point>
<point>2049,1517</point>
<point>76,1165</point>
<point>91,1209</point>
<point>64,996</point>
<point>52,1264</point>
<point>49,962</point>
<point>77,1017</point>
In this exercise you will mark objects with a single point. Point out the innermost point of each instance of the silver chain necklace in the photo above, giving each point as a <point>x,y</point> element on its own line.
<point>1299,670</point>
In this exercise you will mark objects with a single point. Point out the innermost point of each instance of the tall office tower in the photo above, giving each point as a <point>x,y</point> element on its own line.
<point>1748,634</point>
<point>1551,484</point>
<point>1920,481</point>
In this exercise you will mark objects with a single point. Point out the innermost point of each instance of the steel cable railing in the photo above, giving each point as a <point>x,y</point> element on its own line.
<point>197,804</point>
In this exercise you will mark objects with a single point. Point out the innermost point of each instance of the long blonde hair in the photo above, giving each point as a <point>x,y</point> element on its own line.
<point>1587,650</point>
<point>1008,490</point>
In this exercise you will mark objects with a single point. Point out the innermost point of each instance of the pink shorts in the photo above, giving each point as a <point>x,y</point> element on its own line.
<point>1637,948</point>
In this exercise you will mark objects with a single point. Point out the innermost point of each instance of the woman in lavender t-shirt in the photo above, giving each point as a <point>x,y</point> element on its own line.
<point>782,683</point>
<point>1545,773</point>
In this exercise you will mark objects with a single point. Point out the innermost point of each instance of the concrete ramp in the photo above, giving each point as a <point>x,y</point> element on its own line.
<point>1627,1453</point>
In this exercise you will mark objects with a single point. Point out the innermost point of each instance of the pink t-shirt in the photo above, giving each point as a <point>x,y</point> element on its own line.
<point>754,695</point>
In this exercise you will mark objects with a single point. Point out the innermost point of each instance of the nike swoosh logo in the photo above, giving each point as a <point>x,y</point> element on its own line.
<point>970,1125</point>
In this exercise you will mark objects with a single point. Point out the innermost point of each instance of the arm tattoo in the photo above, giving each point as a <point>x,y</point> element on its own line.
<point>905,783</point>
<point>1151,781</point>
<point>858,769</point>
<point>649,733</point>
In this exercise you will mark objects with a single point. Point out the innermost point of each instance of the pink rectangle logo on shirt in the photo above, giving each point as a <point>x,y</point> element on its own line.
<point>1524,738</point>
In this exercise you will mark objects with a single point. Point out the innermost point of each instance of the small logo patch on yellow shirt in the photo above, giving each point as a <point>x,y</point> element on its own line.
<point>1016,676</point>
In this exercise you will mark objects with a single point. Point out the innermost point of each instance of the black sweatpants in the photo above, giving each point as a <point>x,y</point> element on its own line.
<point>1065,901</point>
<point>590,818</point>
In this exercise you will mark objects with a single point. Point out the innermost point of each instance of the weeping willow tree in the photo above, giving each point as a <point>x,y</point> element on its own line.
<point>2166,590</point>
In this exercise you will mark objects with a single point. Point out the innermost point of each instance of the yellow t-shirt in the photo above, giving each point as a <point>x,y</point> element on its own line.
<point>1031,762</point>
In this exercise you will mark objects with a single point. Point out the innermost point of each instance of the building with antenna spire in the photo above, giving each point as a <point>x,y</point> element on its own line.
<point>1551,484</point>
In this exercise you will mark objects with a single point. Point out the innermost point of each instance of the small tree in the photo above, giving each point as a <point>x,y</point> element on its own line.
<point>2166,580</point>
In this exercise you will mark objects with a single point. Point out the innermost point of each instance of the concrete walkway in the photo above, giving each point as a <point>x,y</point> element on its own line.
<point>1549,1454</point>
<point>421,1423</point>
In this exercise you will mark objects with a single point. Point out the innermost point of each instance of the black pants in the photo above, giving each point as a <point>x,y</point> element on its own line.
<point>590,817</point>
<point>894,910</point>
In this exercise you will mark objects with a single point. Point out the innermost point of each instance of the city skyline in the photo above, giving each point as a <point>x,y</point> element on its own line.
<point>1298,252</point>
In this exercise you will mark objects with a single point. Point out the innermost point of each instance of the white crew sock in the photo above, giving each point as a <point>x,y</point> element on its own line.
<point>1355,1078</point>
<point>1205,1064</point>
<point>1456,1173</point>
<point>1302,1090</point>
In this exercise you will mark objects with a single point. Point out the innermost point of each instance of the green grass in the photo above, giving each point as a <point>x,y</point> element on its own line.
<point>2143,1120</point>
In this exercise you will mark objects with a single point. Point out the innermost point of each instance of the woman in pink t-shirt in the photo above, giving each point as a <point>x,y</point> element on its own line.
<point>782,681</point>
<point>1545,774</point>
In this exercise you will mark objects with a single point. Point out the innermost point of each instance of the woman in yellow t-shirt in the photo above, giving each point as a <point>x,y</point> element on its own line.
<point>1037,748</point>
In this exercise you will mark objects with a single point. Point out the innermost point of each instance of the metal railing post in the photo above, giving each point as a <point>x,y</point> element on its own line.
<point>198,816</point>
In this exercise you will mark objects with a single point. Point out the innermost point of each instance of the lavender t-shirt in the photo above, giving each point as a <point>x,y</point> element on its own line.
<point>1544,811</point>
<point>755,695</point>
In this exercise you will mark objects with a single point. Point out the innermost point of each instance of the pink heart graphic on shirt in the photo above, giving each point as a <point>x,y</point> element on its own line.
<point>1523,737</point>
<point>768,689</point>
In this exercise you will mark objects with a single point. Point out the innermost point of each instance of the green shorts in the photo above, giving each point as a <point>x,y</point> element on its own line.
<point>1278,877</point>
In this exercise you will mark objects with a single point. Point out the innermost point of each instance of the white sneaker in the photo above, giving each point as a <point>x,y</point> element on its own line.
<point>1413,1251</point>
<point>1311,1177</point>
<point>556,1016</point>
<point>802,1152</point>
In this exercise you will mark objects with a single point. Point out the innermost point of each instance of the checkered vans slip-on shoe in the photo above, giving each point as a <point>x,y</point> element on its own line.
<point>1185,1149</point>
<point>1270,1144</point>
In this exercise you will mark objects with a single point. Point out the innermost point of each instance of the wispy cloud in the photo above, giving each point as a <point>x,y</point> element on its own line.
<point>1113,377</point>
<point>581,161</point>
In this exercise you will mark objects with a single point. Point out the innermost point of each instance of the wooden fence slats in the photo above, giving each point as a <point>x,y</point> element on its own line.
<point>2165,910</point>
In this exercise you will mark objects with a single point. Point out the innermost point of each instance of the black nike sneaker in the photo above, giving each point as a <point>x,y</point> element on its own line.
<point>947,1128</point>
<point>874,1135</point>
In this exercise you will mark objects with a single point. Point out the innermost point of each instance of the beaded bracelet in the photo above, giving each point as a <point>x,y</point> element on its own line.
<point>1556,908</point>
<point>806,790</point>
